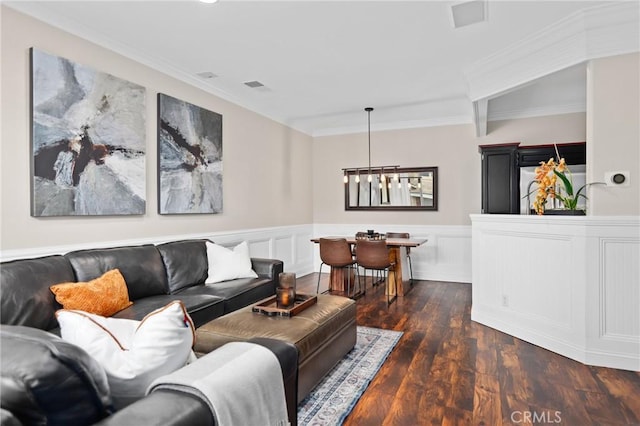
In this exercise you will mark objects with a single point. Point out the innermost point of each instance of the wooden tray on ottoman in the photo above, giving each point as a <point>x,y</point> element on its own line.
<point>269,306</point>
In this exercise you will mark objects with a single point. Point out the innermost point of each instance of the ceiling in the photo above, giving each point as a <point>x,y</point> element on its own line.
<point>322,62</point>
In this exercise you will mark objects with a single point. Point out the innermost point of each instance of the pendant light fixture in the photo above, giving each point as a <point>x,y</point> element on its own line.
<point>371,171</point>
<point>369,109</point>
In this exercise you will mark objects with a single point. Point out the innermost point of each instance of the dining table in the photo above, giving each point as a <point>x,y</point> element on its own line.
<point>397,255</point>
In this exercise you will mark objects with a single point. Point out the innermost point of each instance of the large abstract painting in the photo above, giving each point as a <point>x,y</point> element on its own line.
<point>88,140</point>
<point>189,158</point>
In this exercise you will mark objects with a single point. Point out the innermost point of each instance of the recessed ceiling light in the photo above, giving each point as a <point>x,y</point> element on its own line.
<point>208,1</point>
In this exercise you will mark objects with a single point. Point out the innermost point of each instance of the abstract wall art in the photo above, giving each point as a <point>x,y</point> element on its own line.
<point>87,140</point>
<point>189,158</point>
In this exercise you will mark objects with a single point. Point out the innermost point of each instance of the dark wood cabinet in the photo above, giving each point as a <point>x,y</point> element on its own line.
<point>500,179</point>
<point>573,153</point>
<point>501,170</point>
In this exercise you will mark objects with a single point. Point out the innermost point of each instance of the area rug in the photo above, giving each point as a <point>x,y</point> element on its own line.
<point>331,401</point>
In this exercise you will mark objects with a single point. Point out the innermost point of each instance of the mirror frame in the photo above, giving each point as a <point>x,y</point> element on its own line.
<point>400,170</point>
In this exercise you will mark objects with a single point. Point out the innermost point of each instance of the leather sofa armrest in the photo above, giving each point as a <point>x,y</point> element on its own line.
<point>8,419</point>
<point>269,268</point>
<point>174,408</point>
<point>287,355</point>
<point>163,408</point>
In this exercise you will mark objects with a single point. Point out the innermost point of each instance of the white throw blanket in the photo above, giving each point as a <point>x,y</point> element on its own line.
<point>241,382</point>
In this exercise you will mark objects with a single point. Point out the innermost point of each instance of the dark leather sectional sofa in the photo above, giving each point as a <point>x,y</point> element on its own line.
<point>155,275</point>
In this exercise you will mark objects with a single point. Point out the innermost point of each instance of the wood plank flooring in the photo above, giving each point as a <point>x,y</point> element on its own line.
<point>448,370</point>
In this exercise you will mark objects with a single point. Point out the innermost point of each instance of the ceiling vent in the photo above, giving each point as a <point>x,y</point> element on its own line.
<point>206,74</point>
<point>469,13</point>
<point>253,84</point>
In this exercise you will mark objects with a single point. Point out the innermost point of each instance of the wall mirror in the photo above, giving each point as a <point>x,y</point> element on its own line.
<point>400,188</point>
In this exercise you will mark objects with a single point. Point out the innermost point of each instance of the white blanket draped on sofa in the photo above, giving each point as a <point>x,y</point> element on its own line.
<point>240,382</point>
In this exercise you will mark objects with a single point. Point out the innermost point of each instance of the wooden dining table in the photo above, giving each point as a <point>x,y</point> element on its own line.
<point>397,254</point>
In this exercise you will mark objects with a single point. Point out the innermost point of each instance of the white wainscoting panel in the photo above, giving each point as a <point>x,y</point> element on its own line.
<point>620,299</point>
<point>445,257</point>
<point>291,244</point>
<point>257,248</point>
<point>568,284</point>
<point>284,249</point>
<point>303,249</point>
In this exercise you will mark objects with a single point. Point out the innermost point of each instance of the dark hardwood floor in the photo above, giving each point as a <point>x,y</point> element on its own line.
<point>449,370</point>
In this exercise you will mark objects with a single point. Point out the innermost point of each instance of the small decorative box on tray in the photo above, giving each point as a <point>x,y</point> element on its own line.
<point>270,308</point>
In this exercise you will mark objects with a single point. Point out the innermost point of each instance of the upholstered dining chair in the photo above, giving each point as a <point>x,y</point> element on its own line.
<point>374,255</point>
<point>336,253</point>
<point>404,235</point>
<point>359,236</point>
<point>367,236</point>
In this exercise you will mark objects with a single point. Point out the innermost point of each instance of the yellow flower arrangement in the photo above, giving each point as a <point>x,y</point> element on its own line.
<point>547,175</point>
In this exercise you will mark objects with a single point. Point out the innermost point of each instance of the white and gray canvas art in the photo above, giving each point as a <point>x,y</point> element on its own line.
<point>88,140</point>
<point>190,158</point>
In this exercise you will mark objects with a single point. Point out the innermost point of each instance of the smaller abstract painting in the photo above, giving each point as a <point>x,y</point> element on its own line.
<point>88,140</point>
<point>189,158</point>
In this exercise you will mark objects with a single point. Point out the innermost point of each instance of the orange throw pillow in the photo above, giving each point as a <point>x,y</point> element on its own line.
<point>104,295</point>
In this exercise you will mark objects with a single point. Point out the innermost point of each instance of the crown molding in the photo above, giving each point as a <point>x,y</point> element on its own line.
<point>607,30</point>
<point>40,11</point>
<point>511,114</point>
<point>601,31</point>
<point>395,125</point>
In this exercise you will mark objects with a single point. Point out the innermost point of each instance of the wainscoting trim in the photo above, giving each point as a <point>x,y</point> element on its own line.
<point>568,284</point>
<point>273,243</point>
<point>445,257</point>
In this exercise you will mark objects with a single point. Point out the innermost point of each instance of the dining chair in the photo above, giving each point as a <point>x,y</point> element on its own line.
<point>404,235</point>
<point>359,236</point>
<point>374,255</point>
<point>368,236</point>
<point>336,253</point>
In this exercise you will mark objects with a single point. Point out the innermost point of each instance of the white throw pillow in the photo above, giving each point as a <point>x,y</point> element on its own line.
<point>133,353</point>
<point>225,264</point>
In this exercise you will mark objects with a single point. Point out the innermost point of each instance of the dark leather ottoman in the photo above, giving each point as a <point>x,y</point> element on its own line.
<point>323,333</point>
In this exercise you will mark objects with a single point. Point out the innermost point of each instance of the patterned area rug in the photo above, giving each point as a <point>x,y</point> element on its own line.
<point>336,395</point>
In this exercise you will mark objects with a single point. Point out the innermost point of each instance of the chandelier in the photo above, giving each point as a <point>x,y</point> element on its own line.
<point>377,171</point>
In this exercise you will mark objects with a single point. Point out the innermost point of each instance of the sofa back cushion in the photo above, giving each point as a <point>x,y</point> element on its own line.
<point>45,380</point>
<point>185,263</point>
<point>141,267</point>
<point>24,290</point>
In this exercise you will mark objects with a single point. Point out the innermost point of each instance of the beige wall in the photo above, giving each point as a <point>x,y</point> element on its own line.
<point>453,149</point>
<point>275,176</point>
<point>266,165</point>
<point>613,133</point>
